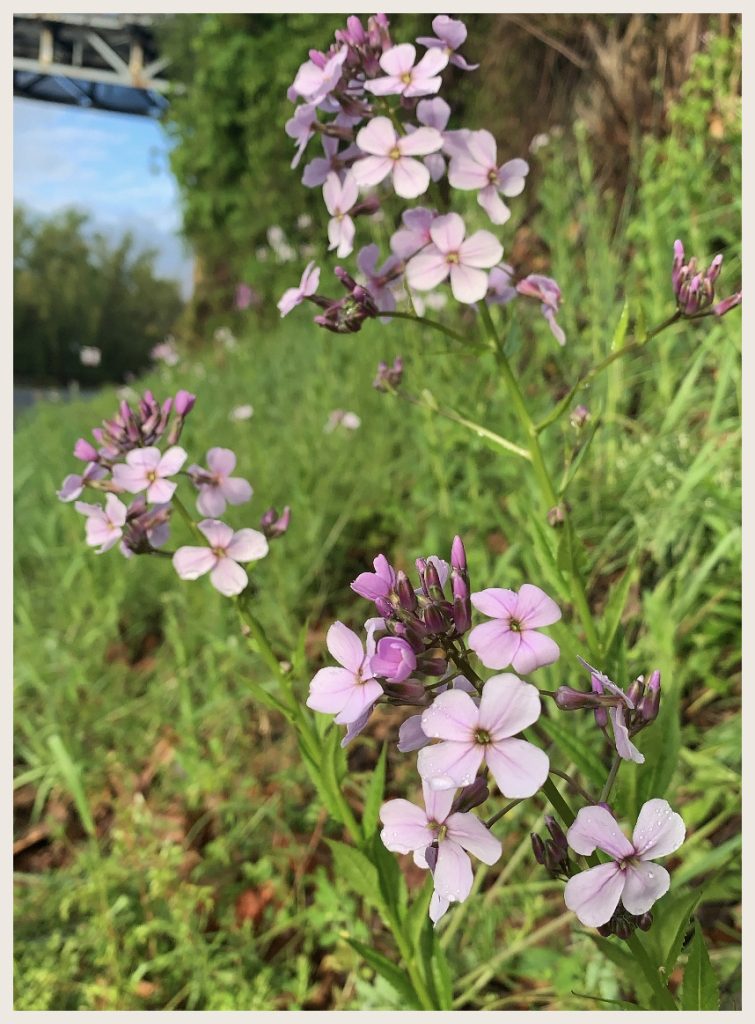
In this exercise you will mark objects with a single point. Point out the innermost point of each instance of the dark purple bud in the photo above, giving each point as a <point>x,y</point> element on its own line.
<point>462,614</point>
<point>651,702</point>
<point>431,856</point>
<point>458,555</point>
<point>345,278</point>
<point>538,848</point>
<point>575,700</point>
<point>606,930</point>
<point>405,592</point>
<point>636,690</point>
<point>184,402</point>
<point>557,834</point>
<point>410,692</point>
<point>432,582</point>
<point>471,796</point>
<point>434,666</point>
<point>85,451</point>
<point>274,525</point>
<point>623,929</point>
<point>715,268</point>
<point>434,619</point>
<point>645,922</point>
<point>421,565</point>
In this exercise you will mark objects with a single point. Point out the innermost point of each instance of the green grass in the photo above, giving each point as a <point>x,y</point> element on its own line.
<point>175,807</point>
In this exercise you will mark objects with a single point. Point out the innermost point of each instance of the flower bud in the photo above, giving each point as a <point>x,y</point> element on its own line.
<point>405,592</point>
<point>274,525</point>
<point>557,834</point>
<point>85,451</point>
<point>651,702</point>
<point>645,922</point>
<point>184,402</point>
<point>432,582</point>
<point>462,614</point>
<point>726,304</point>
<point>434,619</point>
<point>394,659</point>
<point>636,690</point>
<point>606,930</point>
<point>579,416</point>
<point>471,796</point>
<point>458,555</point>
<point>623,929</point>
<point>538,848</point>
<point>575,700</point>
<point>410,692</point>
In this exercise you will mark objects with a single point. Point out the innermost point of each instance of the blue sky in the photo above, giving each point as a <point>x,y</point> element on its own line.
<point>115,166</point>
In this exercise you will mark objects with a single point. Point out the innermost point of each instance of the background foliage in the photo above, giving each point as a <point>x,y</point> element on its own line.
<point>170,853</point>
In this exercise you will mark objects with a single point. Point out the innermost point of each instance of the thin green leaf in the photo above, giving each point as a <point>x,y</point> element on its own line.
<point>395,977</point>
<point>374,795</point>
<point>699,985</point>
<point>72,779</point>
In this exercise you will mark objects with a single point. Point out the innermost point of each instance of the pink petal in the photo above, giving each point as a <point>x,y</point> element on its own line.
<point>331,193</point>
<point>346,239</point>
<point>434,113</point>
<point>518,767</point>
<point>452,31</point>
<point>87,509</point>
<point>535,650</point>
<point>71,487</point>
<point>388,86</point>
<point>467,284</point>
<point>345,646</point>
<point>482,148</point>
<point>482,249</point>
<point>210,501</point>
<point>624,746</point>
<point>131,478</point>
<point>247,545</point>
<point>535,608</point>
<point>161,491</point>
<point>470,833</point>
<point>398,60</point>
<point>410,177</point>
<point>438,907</point>
<point>594,895</point>
<point>190,563</point>
<point>643,885</point>
<point>659,830</point>
<point>228,577</point>
<point>596,827</point>
<point>236,490</point>
<point>330,689</point>
<point>453,715</point>
<point>496,602</point>
<point>372,170</point>
<point>431,64</point>
<point>426,270</point>
<point>370,585</point>
<point>115,510</point>
<point>494,643</point>
<point>508,706</point>
<point>362,697</point>
<point>411,735</point>
<point>437,802</point>
<point>349,192</point>
<point>378,137</point>
<point>511,177</point>
<point>493,205</point>
<point>405,827</point>
<point>423,87</point>
<point>221,461</point>
<point>421,142</point>
<point>447,232</point>
<point>436,165</point>
<point>218,534</point>
<point>171,461</point>
<point>453,872</point>
<point>144,458</point>
<point>449,765</point>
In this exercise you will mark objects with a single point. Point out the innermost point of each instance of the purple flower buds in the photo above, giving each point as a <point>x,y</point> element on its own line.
<point>538,848</point>
<point>85,451</point>
<point>405,592</point>
<point>579,416</point>
<point>694,290</point>
<point>458,555</point>
<point>394,659</point>
<point>274,525</point>
<point>731,303</point>
<point>569,699</point>
<point>651,702</point>
<point>471,796</point>
<point>636,690</point>
<point>184,402</point>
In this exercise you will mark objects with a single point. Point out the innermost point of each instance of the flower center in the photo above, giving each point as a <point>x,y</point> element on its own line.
<point>452,257</point>
<point>515,626</point>
<point>395,153</point>
<point>406,78</point>
<point>218,552</point>
<point>482,736</point>
<point>438,830</point>
<point>151,476</point>
<point>492,175</point>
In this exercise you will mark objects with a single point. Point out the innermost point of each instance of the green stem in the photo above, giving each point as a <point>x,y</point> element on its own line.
<point>183,512</point>
<point>653,978</point>
<point>605,792</point>
<point>564,811</point>
<point>435,324</point>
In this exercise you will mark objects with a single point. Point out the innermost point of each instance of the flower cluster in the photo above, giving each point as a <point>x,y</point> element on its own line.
<point>374,105</point>
<point>137,453</point>
<point>416,652</point>
<point>695,289</point>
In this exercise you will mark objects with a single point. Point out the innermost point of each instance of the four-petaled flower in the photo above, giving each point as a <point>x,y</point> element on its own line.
<point>221,559</point>
<point>451,35</point>
<point>512,637</point>
<point>629,876</point>
<point>340,197</point>
<point>404,77</point>
<point>408,828</point>
<point>376,584</point>
<point>389,153</point>
<point>476,167</point>
<point>217,486</point>
<point>147,469</point>
<point>537,286</point>
<point>104,525</point>
<point>452,254</point>
<point>472,736</point>
<point>292,297</point>
<point>350,691</point>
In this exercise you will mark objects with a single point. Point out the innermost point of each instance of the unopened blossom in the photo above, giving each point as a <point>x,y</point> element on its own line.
<point>394,659</point>
<point>471,736</point>
<point>104,526</point>
<point>340,198</point>
<point>630,876</point>
<point>148,469</point>
<point>146,529</point>
<point>477,167</point>
<point>450,36</point>
<point>415,234</point>
<point>216,485</point>
<point>408,828</point>
<point>292,297</point>
<point>274,525</point>
<point>405,78</point>
<point>226,549</point>
<point>389,153</point>
<point>695,289</point>
<point>545,289</point>
<point>90,355</point>
<point>351,690</point>
<point>465,260</point>
<point>513,637</point>
<point>241,413</point>
<point>75,483</point>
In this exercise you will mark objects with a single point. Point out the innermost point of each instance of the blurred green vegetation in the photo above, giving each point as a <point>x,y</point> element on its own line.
<point>178,859</point>
<point>73,288</point>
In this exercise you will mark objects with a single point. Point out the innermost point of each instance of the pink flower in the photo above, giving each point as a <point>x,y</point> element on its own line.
<point>147,470</point>
<point>315,79</point>
<point>221,559</point>
<point>512,637</point>
<point>451,36</point>
<point>472,736</point>
<point>477,168</point>
<point>394,659</point>
<point>350,691</point>
<point>300,128</point>
<point>378,583</point>
<point>545,289</point>
<point>217,486</point>
<point>451,254</point>
<point>317,170</point>
<point>415,234</point>
<point>594,895</point>
<point>379,281</point>
<point>75,483</point>
<point>408,828</point>
<point>405,78</point>
<point>104,525</point>
<point>340,197</point>
<point>389,153</point>
<point>434,113</point>
<point>292,297</point>
<point>244,296</point>
<point>411,736</point>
